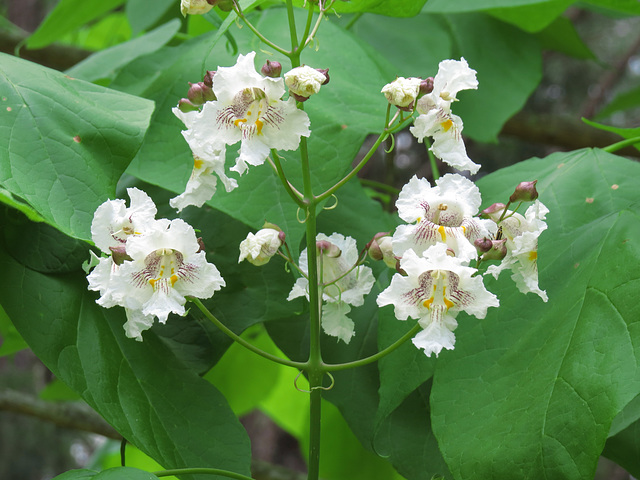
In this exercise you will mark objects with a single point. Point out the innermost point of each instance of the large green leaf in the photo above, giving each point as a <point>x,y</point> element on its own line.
<point>117,473</point>
<point>532,18</point>
<point>146,391</point>
<point>447,6</point>
<point>66,17</point>
<point>142,15</point>
<point>397,8</point>
<point>531,391</point>
<point>64,143</point>
<point>105,65</point>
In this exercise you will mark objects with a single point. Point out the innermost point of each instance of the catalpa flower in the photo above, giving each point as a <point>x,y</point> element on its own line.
<point>343,284</point>
<point>521,233</point>
<point>258,248</point>
<point>437,121</point>
<point>207,161</point>
<point>113,222</point>
<point>436,287</point>
<point>442,214</point>
<point>249,110</point>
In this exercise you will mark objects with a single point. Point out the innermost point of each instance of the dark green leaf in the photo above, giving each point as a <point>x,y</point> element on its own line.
<point>77,475</point>
<point>447,6</point>
<point>124,473</point>
<point>624,448</point>
<point>64,143</point>
<point>142,389</point>
<point>562,37</point>
<point>12,341</point>
<point>629,7</point>
<point>531,391</point>
<point>532,18</point>
<point>106,64</point>
<point>143,15</point>
<point>66,17</point>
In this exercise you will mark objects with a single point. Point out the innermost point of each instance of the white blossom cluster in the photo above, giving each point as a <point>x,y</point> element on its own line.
<point>150,265</point>
<point>436,246</point>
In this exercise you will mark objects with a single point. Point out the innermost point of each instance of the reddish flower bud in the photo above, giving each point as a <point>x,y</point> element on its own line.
<point>328,249</point>
<point>271,69</point>
<point>483,245</point>
<point>426,86</point>
<point>498,250</point>
<point>525,192</point>
<point>119,254</point>
<point>325,72</point>
<point>493,209</point>
<point>208,78</point>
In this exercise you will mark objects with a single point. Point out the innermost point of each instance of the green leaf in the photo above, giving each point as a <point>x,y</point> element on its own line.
<point>106,64</point>
<point>142,389</point>
<point>627,133</point>
<point>64,143</point>
<point>562,37</point>
<point>532,18</point>
<point>447,6</point>
<point>531,391</point>
<point>58,391</point>
<point>82,474</point>
<point>142,15</point>
<point>397,8</point>
<point>125,473</point>
<point>12,341</point>
<point>624,448</point>
<point>66,17</point>
<point>629,7</point>
<point>506,77</point>
<point>623,101</point>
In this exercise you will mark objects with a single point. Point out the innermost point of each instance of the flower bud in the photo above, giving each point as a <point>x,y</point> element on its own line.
<point>119,254</point>
<point>325,72</point>
<point>304,81</point>
<point>259,248</point>
<point>195,94</point>
<point>328,249</point>
<point>498,250</point>
<point>402,92</point>
<point>273,226</point>
<point>380,248</point>
<point>525,192</point>
<point>271,69</point>
<point>194,7</point>
<point>490,211</point>
<point>483,245</point>
<point>208,78</point>
<point>186,106</point>
<point>426,86</point>
<point>200,245</point>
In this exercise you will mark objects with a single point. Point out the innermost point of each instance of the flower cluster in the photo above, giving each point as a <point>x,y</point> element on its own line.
<point>150,264</point>
<point>443,234</point>
<point>246,107</point>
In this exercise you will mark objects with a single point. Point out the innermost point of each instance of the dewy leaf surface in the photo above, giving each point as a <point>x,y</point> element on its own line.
<point>64,143</point>
<point>141,388</point>
<point>531,391</point>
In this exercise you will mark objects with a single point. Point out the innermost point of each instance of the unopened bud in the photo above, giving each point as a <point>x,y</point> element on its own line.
<point>208,78</point>
<point>119,254</point>
<point>525,192</point>
<point>186,106</point>
<point>271,69</point>
<point>402,92</point>
<point>426,85</point>
<point>483,245</point>
<point>498,250</point>
<point>305,81</point>
<point>492,210</point>
<point>259,248</point>
<point>281,235</point>
<point>328,249</point>
<point>380,248</point>
<point>195,94</point>
<point>194,7</point>
<point>325,72</point>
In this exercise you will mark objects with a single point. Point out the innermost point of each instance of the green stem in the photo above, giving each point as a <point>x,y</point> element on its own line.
<point>377,356</point>
<point>307,27</point>
<point>291,190</point>
<point>201,471</point>
<point>622,144</point>
<point>242,341</point>
<point>263,39</point>
<point>294,35</point>
<point>432,159</point>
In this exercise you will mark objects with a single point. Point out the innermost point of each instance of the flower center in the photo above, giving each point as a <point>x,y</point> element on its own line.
<point>250,112</point>
<point>436,283</point>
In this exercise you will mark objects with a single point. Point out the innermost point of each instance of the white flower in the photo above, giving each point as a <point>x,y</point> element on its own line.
<point>259,248</point>
<point>344,285</point>
<point>304,81</point>
<point>402,92</point>
<point>208,159</point>
<point>437,121</point>
<point>522,235</point>
<point>248,109</point>
<point>113,222</point>
<point>435,289</point>
<point>194,7</point>
<point>442,214</point>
